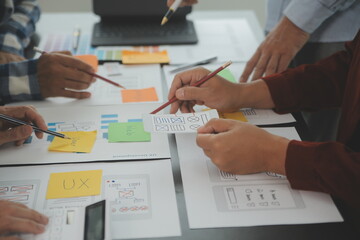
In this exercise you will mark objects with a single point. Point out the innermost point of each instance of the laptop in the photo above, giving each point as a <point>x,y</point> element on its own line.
<point>137,22</point>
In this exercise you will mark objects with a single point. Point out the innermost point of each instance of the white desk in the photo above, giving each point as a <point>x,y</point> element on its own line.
<point>64,22</point>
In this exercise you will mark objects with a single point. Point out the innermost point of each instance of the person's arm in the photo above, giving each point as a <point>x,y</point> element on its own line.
<point>52,75</point>
<point>18,24</point>
<point>312,87</point>
<point>328,167</point>
<point>301,18</point>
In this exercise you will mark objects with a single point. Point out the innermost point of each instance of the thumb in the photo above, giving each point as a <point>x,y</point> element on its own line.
<point>191,93</point>
<point>216,125</point>
<point>15,134</point>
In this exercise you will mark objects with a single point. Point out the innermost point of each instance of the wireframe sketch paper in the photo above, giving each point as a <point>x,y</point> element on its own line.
<point>218,199</point>
<point>141,194</point>
<point>177,123</point>
<point>88,119</point>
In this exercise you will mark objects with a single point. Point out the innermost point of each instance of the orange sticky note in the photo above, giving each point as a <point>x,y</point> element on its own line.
<point>137,57</point>
<point>89,59</point>
<point>139,95</point>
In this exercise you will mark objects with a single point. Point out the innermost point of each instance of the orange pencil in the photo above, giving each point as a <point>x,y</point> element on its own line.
<point>196,84</point>
<point>92,74</point>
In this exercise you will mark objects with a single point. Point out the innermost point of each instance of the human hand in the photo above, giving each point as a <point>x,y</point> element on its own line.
<point>241,148</point>
<point>183,3</point>
<point>216,93</point>
<point>276,51</point>
<point>17,218</point>
<point>61,75</point>
<point>6,57</point>
<point>18,134</point>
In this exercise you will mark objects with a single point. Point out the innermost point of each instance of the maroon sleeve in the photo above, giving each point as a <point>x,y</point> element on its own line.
<point>313,86</point>
<point>328,167</point>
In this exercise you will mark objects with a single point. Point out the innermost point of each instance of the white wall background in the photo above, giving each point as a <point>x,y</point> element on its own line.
<point>258,6</point>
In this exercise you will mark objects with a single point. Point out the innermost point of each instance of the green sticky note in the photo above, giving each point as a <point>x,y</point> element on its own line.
<point>225,73</point>
<point>128,132</point>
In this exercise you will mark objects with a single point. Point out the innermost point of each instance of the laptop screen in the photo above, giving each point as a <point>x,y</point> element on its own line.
<point>135,8</point>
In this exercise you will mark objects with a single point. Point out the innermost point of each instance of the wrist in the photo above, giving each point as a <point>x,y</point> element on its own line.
<point>255,94</point>
<point>275,154</point>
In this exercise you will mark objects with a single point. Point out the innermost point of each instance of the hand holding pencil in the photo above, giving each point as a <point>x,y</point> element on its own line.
<point>214,93</point>
<point>19,133</point>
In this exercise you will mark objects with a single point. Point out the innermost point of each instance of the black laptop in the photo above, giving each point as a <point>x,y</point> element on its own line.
<point>137,22</point>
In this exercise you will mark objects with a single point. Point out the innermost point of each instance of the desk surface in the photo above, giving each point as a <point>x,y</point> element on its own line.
<point>311,231</point>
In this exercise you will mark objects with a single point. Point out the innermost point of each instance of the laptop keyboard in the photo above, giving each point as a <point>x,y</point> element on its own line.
<point>142,30</point>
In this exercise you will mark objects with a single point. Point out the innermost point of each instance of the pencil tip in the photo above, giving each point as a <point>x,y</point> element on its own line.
<point>66,137</point>
<point>164,20</point>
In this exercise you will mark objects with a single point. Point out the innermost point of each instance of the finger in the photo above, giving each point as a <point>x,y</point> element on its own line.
<point>284,63</point>
<point>76,75</point>
<point>205,141</point>
<point>261,66</point>
<point>272,65</point>
<point>68,53</point>
<point>76,85</point>
<point>175,107</point>
<point>10,238</point>
<point>192,93</point>
<point>250,65</point>
<point>74,94</point>
<point>21,225</point>
<point>217,126</point>
<point>30,214</point>
<point>15,134</point>
<point>33,116</point>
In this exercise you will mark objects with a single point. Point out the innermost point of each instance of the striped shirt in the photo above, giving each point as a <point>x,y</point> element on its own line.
<point>18,81</point>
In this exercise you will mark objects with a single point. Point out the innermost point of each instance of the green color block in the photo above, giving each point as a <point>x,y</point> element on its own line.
<point>225,73</point>
<point>128,132</point>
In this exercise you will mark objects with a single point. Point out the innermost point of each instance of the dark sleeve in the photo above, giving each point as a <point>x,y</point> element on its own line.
<point>313,86</point>
<point>328,167</point>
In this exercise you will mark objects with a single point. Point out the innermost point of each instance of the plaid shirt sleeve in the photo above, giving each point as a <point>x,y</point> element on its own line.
<point>18,82</point>
<point>17,24</point>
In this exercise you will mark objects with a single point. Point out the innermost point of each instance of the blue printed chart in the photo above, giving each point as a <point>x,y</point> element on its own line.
<point>89,118</point>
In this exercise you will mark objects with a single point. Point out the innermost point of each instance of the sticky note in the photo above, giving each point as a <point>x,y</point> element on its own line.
<point>74,184</point>
<point>128,132</point>
<point>137,57</point>
<point>139,95</point>
<point>227,74</point>
<point>89,59</point>
<point>235,116</point>
<point>80,142</point>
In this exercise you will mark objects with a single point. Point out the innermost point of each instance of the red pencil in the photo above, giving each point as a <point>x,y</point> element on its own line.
<point>196,84</point>
<point>92,74</point>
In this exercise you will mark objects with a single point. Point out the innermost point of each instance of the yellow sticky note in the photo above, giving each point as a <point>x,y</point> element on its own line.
<point>89,59</point>
<point>235,116</point>
<point>74,184</point>
<point>137,57</point>
<point>139,95</point>
<point>80,142</point>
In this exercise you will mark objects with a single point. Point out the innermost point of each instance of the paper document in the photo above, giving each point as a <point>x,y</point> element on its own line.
<point>139,95</point>
<point>141,195</point>
<point>218,199</point>
<point>134,77</point>
<point>81,142</point>
<point>128,132</point>
<point>88,119</point>
<point>177,123</point>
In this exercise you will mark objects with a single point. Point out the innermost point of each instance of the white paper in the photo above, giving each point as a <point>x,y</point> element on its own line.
<point>88,118</point>
<point>177,123</point>
<point>218,199</point>
<point>104,93</point>
<point>141,194</point>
